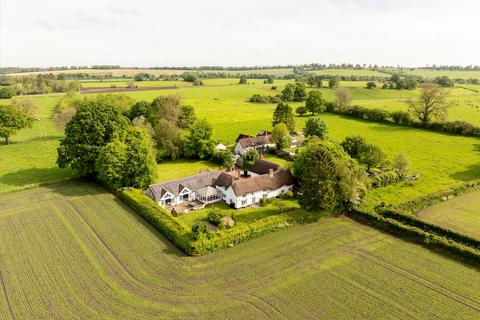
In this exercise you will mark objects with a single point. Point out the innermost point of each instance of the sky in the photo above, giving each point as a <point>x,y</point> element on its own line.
<point>147,33</point>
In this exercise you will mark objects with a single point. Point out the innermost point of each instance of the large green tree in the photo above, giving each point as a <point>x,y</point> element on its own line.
<point>187,117</point>
<point>281,136</point>
<point>127,161</point>
<point>12,120</point>
<point>199,143</point>
<point>95,124</point>
<point>284,114</point>
<point>371,155</point>
<point>300,93</point>
<point>328,177</point>
<point>315,102</point>
<point>165,107</point>
<point>353,145</point>
<point>316,127</point>
<point>168,139</point>
<point>431,103</point>
<point>288,92</point>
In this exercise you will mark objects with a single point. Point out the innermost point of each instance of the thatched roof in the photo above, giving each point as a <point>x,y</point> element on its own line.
<point>278,179</point>
<point>263,166</point>
<point>254,142</point>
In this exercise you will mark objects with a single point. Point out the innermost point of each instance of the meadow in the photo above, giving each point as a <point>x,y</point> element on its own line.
<point>73,249</point>
<point>432,74</point>
<point>461,214</point>
<point>349,72</point>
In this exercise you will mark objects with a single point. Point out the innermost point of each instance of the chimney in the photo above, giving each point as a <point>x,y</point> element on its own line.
<point>270,172</point>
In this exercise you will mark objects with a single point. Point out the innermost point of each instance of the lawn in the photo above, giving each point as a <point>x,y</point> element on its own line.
<point>73,249</point>
<point>242,216</point>
<point>461,214</point>
<point>170,170</point>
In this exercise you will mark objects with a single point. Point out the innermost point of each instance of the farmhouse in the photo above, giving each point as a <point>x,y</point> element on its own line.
<point>259,143</point>
<point>238,189</point>
<point>200,187</point>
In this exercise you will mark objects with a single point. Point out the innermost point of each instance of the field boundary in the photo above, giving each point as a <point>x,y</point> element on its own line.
<point>434,241</point>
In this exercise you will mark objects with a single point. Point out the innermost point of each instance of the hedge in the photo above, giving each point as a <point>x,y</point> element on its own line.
<point>403,118</point>
<point>440,196</point>
<point>412,233</point>
<point>176,231</point>
<point>410,220</point>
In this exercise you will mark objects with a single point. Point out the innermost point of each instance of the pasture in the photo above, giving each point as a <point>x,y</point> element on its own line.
<point>72,249</point>
<point>349,72</point>
<point>432,74</point>
<point>461,214</point>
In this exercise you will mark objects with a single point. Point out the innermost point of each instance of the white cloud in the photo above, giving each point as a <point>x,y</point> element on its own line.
<point>248,32</point>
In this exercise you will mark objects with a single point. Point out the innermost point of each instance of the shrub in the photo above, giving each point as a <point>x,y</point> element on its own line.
<point>402,118</point>
<point>376,114</point>
<point>199,231</point>
<point>214,216</point>
<point>386,178</point>
<point>226,222</point>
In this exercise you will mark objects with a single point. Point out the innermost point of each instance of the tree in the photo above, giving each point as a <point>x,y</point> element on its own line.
<point>328,177</point>
<point>187,117</point>
<point>199,142</point>
<point>431,103</point>
<point>127,161</point>
<point>444,81</point>
<point>26,106</point>
<point>316,127</point>
<point>353,145</point>
<point>284,114</point>
<point>401,163</point>
<point>343,99</point>
<point>371,155</point>
<point>223,158</point>
<point>333,82</point>
<point>281,136</point>
<point>94,125</point>
<point>243,80</point>
<point>7,92</point>
<point>140,108</point>
<point>12,120</point>
<point>301,110</point>
<point>168,140</point>
<point>315,81</point>
<point>165,107</point>
<point>315,102</point>
<point>371,85</point>
<point>300,92</point>
<point>288,92</point>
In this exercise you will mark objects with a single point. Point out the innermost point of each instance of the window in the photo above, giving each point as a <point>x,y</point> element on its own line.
<point>244,202</point>
<point>185,197</point>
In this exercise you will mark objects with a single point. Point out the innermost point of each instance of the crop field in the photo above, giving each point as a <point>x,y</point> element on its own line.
<point>72,249</point>
<point>349,72</point>
<point>461,214</point>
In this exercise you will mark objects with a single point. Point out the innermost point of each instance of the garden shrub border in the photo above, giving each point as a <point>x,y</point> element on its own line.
<point>182,236</point>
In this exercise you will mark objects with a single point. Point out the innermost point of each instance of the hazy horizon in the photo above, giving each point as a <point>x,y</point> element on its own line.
<point>149,33</point>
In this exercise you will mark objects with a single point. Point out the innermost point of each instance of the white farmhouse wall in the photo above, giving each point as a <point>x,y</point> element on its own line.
<point>239,149</point>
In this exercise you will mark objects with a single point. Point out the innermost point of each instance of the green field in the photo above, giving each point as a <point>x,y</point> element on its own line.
<point>461,214</point>
<point>73,250</point>
<point>349,72</point>
<point>170,170</point>
<point>432,74</point>
<point>434,155</point>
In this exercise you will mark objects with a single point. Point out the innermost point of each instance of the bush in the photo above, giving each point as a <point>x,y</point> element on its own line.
<point>376,114</point>
<point>402,118</point>
<point>7,92</point>
<point>257,98</point>
<point>223,158</point>
<point>226,222</point>
<point>214,217</point>
<point>386,178</point>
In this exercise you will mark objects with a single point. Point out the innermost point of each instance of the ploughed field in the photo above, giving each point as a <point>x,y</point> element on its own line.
<point>72,250</point>
<point>461,214</point>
